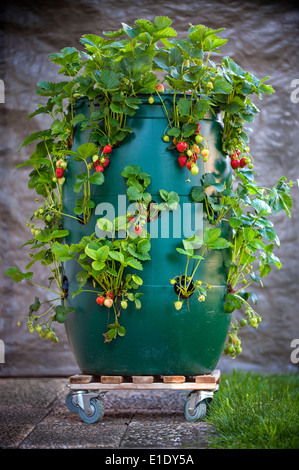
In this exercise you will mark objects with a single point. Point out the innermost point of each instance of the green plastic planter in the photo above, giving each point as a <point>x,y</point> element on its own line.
<point>159,339</point>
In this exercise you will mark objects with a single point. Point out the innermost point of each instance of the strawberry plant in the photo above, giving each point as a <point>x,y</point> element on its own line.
<point>194,249</point>
<point>115,74</point>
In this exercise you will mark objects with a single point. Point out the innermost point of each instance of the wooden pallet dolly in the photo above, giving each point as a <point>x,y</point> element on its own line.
<point>86,392</point>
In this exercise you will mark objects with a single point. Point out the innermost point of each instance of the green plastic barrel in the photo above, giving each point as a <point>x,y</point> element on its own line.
<point>159,339</point>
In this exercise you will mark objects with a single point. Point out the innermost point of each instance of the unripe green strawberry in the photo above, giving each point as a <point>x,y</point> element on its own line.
<point>151,100</point>
<point>194,170</point>
<point>178,305</point>
<point>124,304</point>
<point>253,322</point>
<point>229,350</point>
<point>198,138</point>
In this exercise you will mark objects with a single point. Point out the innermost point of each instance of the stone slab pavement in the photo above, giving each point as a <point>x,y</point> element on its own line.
<point>33,415</point>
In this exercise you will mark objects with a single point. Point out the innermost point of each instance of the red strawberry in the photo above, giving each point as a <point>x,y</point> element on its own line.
<point>106,162</point>
<point>131,219</point>
<point>107,149</point>
<point>198,128</point>
<point>233,156</point>
<point>189,165</point>
<point>238,152</point>
<point>99,168</point>
<point>59,172</point>
<point>243,162</point>
<point>110,295</point>
<point>181,146</point>
<point>194,158</point>
<point>100,300</point>
<point>96,163</point>
<point>182,160</point>
<point>235,164</point>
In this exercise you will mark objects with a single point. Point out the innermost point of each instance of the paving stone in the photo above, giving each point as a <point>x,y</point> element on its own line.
<point>165,430</point>
<point>33,415</point>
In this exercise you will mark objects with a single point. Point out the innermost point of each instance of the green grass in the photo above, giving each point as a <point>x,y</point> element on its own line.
<point>255,411</point>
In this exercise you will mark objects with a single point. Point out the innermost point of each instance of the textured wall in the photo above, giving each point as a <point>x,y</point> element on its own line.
<point>263,38</point>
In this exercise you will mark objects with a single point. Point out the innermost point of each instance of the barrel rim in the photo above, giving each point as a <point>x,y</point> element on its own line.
<point>166,97</point>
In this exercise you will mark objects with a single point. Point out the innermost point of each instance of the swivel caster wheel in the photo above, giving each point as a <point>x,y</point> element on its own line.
<point>95,411</point>
<point>197,404</point>
<point>71,402</point>
<point>196,413</point>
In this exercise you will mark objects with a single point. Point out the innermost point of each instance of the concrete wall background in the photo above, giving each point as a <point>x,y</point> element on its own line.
<point>263,38</point>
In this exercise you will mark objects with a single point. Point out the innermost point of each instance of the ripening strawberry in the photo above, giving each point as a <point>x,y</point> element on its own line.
<point>138,229</point>
<point>108,302</point>
<point>160,88</point>
<point>196,149</point>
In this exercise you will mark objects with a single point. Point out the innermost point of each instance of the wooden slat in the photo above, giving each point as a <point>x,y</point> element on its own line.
<point>81,379</point>
<point>142,379</point>
<point>112,379</point>
<point>152,386</point>
<point>145,382</point>
<point>174,379</point>
<point>209,378</point>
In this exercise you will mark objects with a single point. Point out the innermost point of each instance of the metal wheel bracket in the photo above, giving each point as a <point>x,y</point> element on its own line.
<point>197,396</point>
<point>82,399</point>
